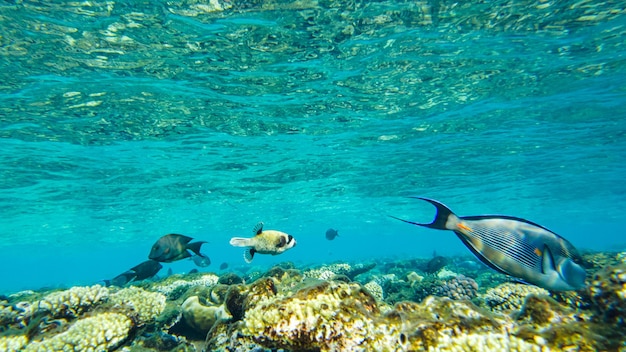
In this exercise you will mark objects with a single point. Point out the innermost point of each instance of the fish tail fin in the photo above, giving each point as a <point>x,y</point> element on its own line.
<point>240,242</point>
<point>439,222</point>
<point>195,247</point>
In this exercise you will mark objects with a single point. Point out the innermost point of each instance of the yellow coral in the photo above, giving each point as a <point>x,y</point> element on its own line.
<point>102,332</point>
<point>13,343</point>
<point>148,305</point>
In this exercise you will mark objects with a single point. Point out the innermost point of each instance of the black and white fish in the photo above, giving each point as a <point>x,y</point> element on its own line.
<point>264,242</point>
<point>514,246</point>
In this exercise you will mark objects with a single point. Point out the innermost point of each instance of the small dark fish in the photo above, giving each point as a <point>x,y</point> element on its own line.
<point>142,271</point>
<point>170,272</point>
<point>515,247</point>
<point>331,234</point>
<point>193,271</point>
<point>172,247</point>
<point>223,266</point>
<point>435,264</point>
<point>201,260</point>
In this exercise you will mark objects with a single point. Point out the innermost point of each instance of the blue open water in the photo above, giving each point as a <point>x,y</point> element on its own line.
<point>121,122</point>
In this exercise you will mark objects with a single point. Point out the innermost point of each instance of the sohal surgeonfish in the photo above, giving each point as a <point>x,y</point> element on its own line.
<point>142,271</point>
<point>264,242</point>
<point>514,246</point>
<point>172,247</point>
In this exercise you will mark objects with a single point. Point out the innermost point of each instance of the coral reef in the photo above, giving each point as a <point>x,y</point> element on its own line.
<point>147,305</point>
<point>328,272</point>
<point>286,309</point>
<point>327,316</point>
<point>486,342</point>
<point>102,332</point>
<point>13,343</point>
<point>175,286</point>
<point>460,287</point>
<point>510,296</point>
<point>607,291</point>
<point>70,303</point>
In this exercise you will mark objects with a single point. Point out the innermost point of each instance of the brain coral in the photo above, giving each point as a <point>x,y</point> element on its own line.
<point>148,305</point>
<point>102,332</point>
<point>509,296</point>
<point>460,287</point>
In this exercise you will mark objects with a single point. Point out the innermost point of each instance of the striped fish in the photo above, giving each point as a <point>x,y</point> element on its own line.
<point>515,247</point>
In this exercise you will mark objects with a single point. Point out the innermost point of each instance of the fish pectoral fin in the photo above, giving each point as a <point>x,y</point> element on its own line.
<point>258,228</point>
<point>248,255</point>
<point>547,261</point>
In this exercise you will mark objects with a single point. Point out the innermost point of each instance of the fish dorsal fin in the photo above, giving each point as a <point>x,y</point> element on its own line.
<point>547,261</point>
<point>258,228</point>
<point>248,255</point>
<point>184,239</point>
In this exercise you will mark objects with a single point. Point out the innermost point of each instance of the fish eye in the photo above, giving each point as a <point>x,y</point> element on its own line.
<point>289,238</point>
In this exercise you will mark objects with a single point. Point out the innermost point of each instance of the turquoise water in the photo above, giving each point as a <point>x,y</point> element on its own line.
<point>121,122</point>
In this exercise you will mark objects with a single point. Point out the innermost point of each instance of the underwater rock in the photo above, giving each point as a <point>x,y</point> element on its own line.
<point>229,279</point>
<point>234,301</point>
<point>607,291</point>
<point>510,296</point>
<point>460,287</point>
<point>102,332</point>
<point>200,316</point>
<point>218,293</point>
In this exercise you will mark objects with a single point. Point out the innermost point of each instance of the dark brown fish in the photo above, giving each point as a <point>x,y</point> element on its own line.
<point>331,234</point>
<point>173,247</point>
<point>142,271</point>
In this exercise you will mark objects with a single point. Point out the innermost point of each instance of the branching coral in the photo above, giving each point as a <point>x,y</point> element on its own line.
<point>102,332</point>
